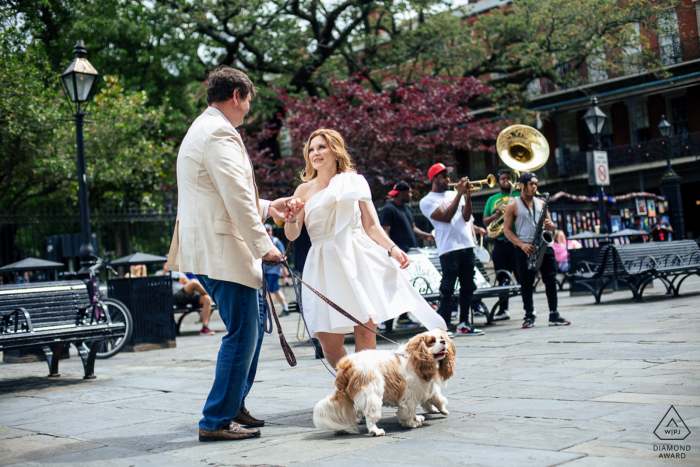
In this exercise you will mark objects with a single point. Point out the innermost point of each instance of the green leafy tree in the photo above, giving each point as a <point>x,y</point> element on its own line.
<point>563,43</point>
<point>290,43</point>
<point>129,161</point>
<point>32,163</point>
<point>135,40</point>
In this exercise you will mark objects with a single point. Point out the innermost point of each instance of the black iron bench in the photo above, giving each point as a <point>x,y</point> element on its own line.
<point>183,311</point>
<point>50,315</point>
<point>501,292</point>
<point>637,265</point>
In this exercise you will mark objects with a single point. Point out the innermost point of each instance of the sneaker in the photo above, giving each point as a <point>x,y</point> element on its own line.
<point>450,334</point>
<point>381,327</point>
<point>463,329</point>
<point>478,312</point>
<point>454,314</point>
<point>501,316</point>
<point>556,320</point>
<point>206,331</point>
<point>529,322</point>
<point>406,324</point>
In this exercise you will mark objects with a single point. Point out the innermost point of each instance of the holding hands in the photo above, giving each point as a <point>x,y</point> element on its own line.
<point>285,209</point>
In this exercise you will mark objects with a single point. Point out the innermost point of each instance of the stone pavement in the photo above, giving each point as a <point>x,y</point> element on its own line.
<point>590,394</point>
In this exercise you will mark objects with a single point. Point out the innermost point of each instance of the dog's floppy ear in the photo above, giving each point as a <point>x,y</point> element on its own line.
<point>420,358</point>
<point>446,368</point>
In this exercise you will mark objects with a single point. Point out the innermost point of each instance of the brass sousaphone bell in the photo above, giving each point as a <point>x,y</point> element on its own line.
<point>523,149</point>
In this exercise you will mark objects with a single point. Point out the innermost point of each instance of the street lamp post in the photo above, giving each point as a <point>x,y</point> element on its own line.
<point>595,121</point>
<point>78,82</point>
<point>671,184</point>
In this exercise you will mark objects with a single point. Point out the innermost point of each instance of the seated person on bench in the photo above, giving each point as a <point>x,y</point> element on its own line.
<point>190,292</point>
<point>561,250</point>
<point>661,230</point>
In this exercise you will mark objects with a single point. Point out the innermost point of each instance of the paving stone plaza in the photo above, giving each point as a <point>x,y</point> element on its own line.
<point>590,394</point>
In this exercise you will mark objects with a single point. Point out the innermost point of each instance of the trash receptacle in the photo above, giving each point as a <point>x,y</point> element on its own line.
<point>150,300</point>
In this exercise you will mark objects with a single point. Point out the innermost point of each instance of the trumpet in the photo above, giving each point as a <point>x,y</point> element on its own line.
<point>490,181</point>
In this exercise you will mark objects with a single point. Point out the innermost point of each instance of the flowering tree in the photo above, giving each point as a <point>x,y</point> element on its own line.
<point>396,134</point>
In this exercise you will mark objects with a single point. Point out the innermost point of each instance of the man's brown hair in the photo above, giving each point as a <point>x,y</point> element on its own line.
<point>224,80</point>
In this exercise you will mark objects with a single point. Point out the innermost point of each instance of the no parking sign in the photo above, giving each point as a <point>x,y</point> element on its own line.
<point>598,173</point>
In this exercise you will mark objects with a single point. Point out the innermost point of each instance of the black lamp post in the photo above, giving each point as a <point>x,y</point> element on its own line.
<point>595,121</point>
<point>671,184</point>
<point>78,81</point>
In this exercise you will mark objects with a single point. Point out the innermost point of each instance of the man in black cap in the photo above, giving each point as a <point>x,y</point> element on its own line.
<point>397,220</point>
<point>503,254</point>
<point>524,214</point>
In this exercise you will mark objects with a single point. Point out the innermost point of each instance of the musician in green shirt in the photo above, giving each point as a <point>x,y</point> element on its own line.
<point>503,254</point>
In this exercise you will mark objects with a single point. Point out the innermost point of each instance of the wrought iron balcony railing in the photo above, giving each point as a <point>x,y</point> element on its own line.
<point>631,154</point>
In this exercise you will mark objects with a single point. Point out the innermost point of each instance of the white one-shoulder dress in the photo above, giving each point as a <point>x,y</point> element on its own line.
<point>349,268</point>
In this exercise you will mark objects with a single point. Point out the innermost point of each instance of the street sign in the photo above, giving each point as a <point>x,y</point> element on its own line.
<point>598,173</point>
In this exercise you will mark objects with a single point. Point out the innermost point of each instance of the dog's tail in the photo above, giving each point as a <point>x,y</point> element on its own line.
<point>337,411</point>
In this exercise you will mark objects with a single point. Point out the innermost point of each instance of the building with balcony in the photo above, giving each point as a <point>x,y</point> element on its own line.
<point>634,101</point>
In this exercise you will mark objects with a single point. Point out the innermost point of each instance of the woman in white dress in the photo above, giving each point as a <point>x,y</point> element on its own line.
<point>351,261</point>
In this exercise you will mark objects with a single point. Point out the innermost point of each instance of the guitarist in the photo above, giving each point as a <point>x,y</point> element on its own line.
<point>524,214</point>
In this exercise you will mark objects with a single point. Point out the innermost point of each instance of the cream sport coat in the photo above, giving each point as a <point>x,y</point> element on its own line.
<point>219,230</point>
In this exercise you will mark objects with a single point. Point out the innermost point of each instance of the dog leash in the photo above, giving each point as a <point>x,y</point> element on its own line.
<point>289,355</point>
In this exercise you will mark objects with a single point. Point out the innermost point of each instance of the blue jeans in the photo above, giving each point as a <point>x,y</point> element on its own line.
<point>241,310</point>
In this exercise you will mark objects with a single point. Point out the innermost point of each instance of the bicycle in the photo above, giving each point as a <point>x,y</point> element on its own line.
<point>107,310</point>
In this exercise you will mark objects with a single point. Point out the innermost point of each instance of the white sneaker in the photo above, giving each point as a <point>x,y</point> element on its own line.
<point>463,329</point>
<point>450,334</point>
<point>502,316</point>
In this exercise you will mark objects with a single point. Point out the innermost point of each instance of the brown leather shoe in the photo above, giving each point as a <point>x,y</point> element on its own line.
<point>231,432</point>
<point>245,418</point>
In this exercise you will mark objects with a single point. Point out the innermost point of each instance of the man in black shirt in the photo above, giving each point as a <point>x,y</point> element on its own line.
<point>637,225</point>
<point>397,220</point>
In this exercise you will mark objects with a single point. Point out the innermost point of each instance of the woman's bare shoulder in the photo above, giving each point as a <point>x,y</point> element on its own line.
<point>303,189</point>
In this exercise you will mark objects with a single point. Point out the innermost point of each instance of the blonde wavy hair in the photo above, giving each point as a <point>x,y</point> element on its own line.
<point>336,144</point>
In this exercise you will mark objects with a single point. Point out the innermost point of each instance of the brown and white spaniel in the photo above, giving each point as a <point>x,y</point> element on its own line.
<point>412,375</point>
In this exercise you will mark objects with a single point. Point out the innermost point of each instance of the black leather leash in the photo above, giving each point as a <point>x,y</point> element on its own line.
<point>289,355</point>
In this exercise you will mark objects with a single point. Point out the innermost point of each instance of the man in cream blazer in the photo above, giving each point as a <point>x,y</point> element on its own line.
<point>220,237</point>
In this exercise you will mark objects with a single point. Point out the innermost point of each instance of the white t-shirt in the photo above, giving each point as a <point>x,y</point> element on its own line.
<point>449,236</point>
<point>176,279</point>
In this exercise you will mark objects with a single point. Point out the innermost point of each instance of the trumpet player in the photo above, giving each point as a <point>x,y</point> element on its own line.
<point>450,212</point>
<point>524,214</point>
<point>503,254</point>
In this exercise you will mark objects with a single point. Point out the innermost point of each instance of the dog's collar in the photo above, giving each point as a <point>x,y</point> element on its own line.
<point>399,354</point>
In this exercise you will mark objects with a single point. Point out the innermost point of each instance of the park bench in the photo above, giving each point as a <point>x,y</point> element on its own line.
<point>50,315</point>
<point>183,311</point>
<point>637,265</point>
<point>483,290</point>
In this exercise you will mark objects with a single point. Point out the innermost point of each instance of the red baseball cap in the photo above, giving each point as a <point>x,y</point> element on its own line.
<point>436,169</point>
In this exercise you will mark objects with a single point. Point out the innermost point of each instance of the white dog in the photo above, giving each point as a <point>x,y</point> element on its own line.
<point>413,375</point>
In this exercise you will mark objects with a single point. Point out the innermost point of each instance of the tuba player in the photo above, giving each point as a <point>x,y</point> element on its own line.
<point>503,254</point>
